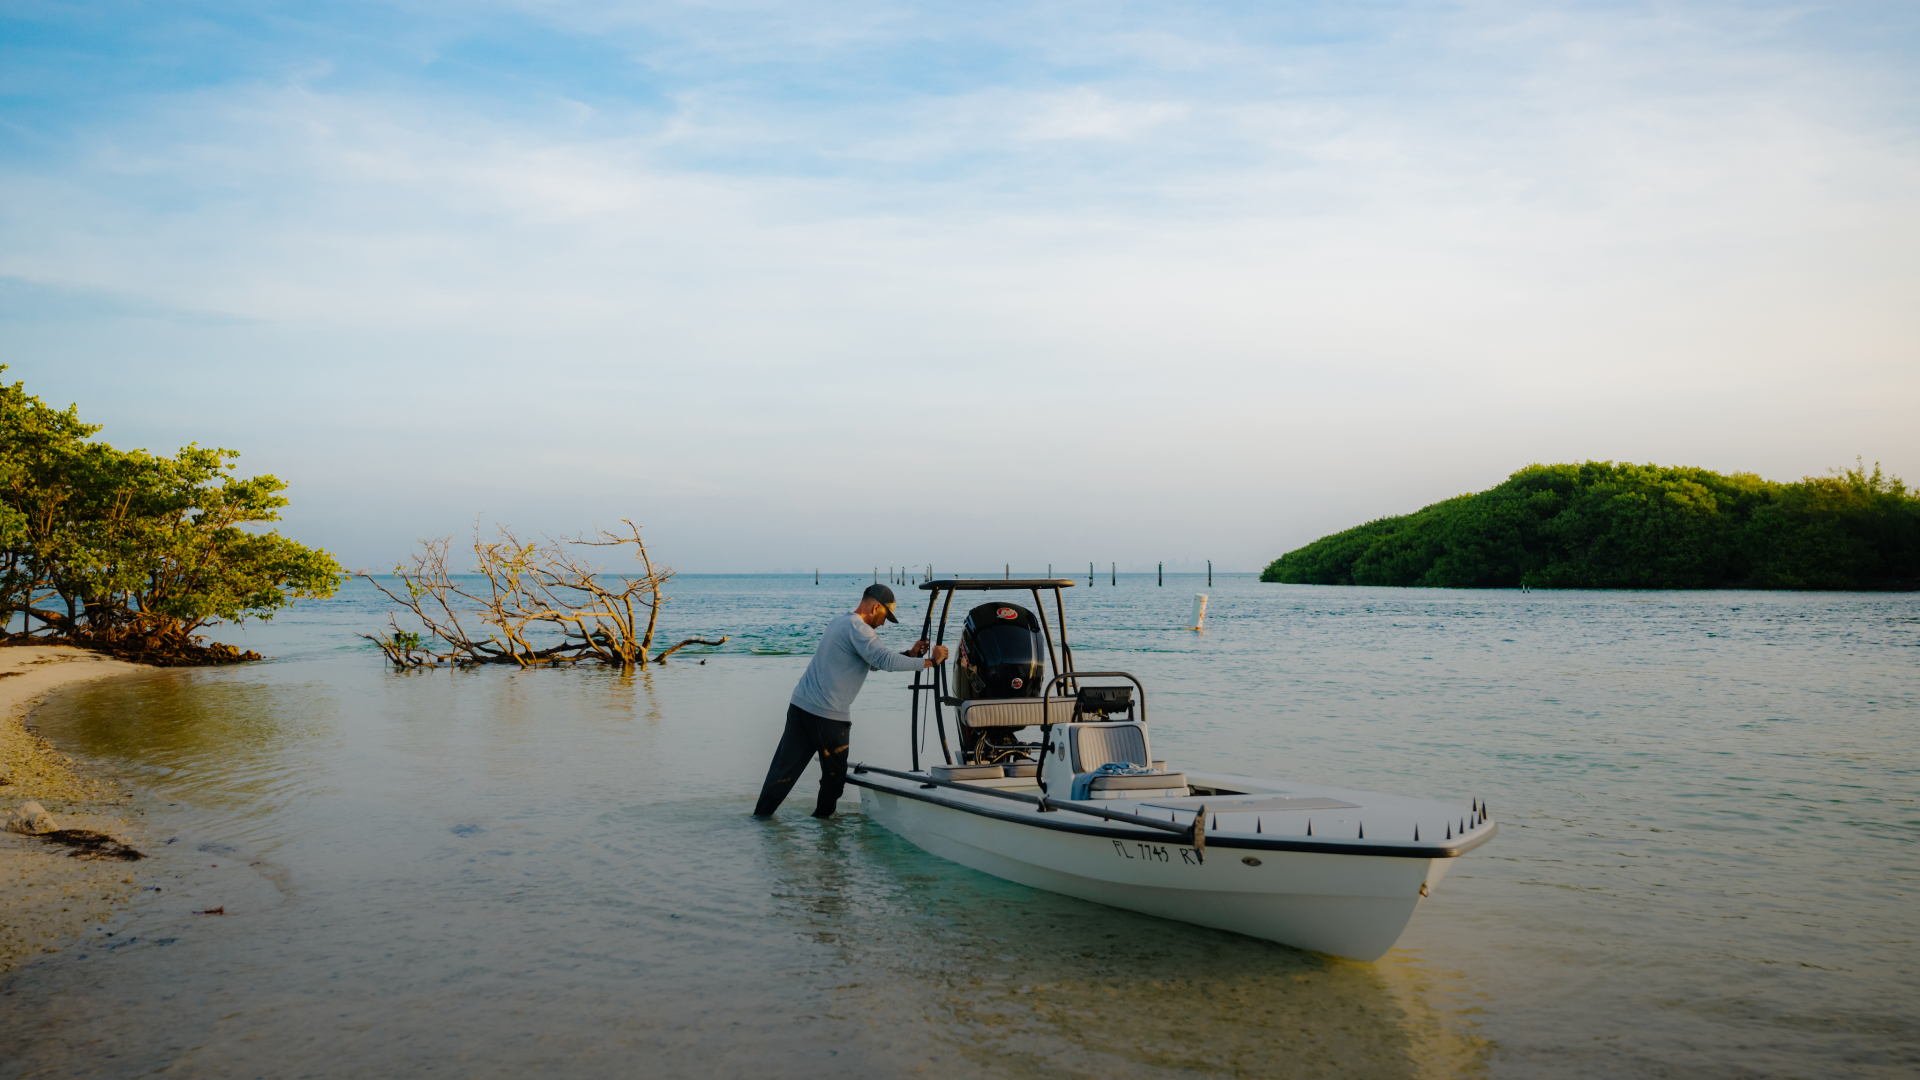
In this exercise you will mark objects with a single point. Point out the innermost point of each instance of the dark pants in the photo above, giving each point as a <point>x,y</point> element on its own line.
<point>806,736</point>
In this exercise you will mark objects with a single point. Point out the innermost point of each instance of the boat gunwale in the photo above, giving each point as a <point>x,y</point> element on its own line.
<point>1379,848</point>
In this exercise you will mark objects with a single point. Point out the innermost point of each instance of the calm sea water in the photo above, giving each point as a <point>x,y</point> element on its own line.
<point>1708,862</point>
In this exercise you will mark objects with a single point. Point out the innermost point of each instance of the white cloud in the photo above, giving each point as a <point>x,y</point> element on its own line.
<point>1087,114</point>
<point>1225,287</point>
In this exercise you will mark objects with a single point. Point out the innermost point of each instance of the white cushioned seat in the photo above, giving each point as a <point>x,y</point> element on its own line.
<point>1014,712</point>
<point>1119,743</point>
<point>1095,745</point>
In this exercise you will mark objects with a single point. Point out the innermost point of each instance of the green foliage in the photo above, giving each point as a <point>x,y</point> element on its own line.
<point>1602,525</point>
<point>108,545</point>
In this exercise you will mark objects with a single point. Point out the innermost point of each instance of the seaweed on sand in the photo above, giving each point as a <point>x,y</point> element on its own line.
<point>88,844</point>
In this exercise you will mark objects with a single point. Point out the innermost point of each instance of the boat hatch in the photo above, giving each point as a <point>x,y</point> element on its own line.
<point>1248,806</point>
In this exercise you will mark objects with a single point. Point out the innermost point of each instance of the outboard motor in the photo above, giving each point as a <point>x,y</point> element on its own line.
<point>1001,654</point>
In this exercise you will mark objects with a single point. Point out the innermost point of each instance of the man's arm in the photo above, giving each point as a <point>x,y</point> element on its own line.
<point>876,654</point>
<point>880,658</point>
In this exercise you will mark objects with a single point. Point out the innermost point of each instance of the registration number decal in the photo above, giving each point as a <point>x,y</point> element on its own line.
<point>1156,852</point>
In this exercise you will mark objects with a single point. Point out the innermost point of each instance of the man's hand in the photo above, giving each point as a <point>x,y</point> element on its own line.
<point>939,654</point>
<point>920,648</point>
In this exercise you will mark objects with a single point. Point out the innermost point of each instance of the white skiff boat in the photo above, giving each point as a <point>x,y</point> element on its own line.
<point>1059,790</point>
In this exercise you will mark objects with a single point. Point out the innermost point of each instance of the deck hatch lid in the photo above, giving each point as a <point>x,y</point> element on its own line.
<point>1253,805</point>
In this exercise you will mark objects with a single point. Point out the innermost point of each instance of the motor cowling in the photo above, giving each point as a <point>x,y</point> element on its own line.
<point>1002,654</point>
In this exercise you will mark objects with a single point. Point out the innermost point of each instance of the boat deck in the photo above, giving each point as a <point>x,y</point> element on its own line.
<point>1242,813</point>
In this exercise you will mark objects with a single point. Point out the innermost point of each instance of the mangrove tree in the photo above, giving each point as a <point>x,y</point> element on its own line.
<point>132,552</point>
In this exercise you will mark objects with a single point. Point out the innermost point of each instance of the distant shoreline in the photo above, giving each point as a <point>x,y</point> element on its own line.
<point>1894,585</point>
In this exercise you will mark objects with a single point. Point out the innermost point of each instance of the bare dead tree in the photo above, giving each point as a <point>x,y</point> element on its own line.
<point>532,588</point>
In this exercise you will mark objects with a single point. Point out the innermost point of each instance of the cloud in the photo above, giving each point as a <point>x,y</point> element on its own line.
<point>1086,114</point>
<point>683,256</point>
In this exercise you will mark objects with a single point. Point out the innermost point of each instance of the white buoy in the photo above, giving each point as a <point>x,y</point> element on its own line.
<point>1199,612</point>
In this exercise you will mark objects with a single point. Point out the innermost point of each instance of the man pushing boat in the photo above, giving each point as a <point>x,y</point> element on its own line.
<point>820,714</point>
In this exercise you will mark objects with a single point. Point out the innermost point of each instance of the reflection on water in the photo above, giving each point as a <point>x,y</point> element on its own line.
<point>511,873</point>
<point>1705,866</point>
<point>1025,983</point>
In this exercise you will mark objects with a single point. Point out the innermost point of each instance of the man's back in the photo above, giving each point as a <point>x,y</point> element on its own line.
<point>849,649</point>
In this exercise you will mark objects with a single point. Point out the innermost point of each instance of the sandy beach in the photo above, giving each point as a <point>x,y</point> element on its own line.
<point>48,897</point>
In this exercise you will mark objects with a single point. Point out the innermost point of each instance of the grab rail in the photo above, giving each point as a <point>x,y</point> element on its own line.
<point>1077,675</point>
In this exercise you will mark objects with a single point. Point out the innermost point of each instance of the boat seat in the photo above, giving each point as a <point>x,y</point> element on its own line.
<point>1095,745</point>
<point>1123,743</point>
<point>1014,712</point>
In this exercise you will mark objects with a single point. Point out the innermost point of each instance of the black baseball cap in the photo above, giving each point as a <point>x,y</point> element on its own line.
<point>884,595</point>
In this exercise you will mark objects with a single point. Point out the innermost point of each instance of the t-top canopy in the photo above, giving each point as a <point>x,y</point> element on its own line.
<point>988,584</point>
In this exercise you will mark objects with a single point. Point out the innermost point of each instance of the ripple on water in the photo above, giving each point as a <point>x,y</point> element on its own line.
<point>1706,864</point>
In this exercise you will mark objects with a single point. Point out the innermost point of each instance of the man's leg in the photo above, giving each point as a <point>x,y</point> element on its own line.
<point>834,738</point>
<point>789,761</point>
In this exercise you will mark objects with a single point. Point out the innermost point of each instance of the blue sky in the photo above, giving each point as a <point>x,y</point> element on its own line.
<point>838,284</point>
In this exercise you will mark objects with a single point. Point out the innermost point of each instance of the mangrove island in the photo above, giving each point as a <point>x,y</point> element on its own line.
<point>1602,525</point>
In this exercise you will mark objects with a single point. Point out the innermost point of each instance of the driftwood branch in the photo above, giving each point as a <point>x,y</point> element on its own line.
<point>531,588</point>
<point>662,658</point>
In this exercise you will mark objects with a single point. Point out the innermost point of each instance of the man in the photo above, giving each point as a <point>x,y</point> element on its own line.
<point>819,717</point>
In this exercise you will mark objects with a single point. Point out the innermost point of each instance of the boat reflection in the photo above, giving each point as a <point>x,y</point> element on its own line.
<point>1009,981</point>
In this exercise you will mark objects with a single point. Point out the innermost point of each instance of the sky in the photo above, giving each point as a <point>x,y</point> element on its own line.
<point>854,284</point>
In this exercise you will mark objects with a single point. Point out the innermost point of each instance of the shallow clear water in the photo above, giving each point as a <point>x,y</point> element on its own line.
<point>1707,864</point>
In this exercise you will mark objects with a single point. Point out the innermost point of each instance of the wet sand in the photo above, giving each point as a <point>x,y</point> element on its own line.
<point>47,897</point>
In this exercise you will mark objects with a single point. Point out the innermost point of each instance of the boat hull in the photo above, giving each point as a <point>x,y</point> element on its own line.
<point>1350,905</point>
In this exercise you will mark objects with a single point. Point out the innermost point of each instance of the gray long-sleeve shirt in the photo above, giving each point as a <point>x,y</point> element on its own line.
<point>848,650</point>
